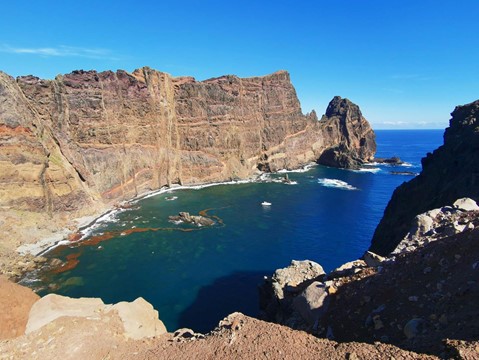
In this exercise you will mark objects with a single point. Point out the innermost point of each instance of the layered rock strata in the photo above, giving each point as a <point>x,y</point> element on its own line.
<point>77,144</point>
<point>449,173</point>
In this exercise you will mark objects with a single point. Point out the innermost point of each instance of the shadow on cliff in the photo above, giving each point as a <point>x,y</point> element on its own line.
<point>235,292</point>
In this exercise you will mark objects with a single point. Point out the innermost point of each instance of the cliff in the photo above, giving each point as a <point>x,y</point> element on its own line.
<point>75,145</point>
<point>449,173</point>
<point>357,141</point>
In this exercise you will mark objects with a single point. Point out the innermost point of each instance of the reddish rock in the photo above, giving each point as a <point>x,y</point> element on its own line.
<point>15,304</point>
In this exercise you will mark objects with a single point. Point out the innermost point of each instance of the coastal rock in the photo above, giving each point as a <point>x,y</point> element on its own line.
<point>278,292</point>
<point>438,224</point>
<point>373,260</point>
<point>390,161</point>
<point>15,304</point>
<point>347,269</point>
<point>192,219</point>
<point>449,173</point>
<point>344,120</point>
<point>312,303</point>
<point>78,144</point>
<point>138,318</point>
<point>291,278</point>
<point>466,204</point>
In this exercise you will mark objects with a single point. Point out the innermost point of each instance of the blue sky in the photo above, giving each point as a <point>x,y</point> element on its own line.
<point>405,63</point>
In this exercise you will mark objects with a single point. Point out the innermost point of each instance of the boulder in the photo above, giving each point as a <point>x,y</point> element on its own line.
<point>347,269</point>
<point>466,204</point>
<point>290,279</point>
<point>139,318</point>
<point>15,304</point>
<point>52,306</point>
<point>371,259</point>
<point>313,302</point>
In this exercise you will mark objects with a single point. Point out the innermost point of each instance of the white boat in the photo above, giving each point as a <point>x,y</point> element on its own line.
<point>265,203</point>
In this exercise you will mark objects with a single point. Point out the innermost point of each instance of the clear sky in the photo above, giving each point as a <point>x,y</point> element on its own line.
<point>405,63</point>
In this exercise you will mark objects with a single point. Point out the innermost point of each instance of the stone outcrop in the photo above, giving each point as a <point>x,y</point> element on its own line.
<point>357,144</point>
<point>420,296</point>
<point>449,173</point>
<point>278,292</point>
<point>237,336</point>
<point>440,223</point>
<point>77,144</point>
<point>138,318</point>
<point>15,304</point>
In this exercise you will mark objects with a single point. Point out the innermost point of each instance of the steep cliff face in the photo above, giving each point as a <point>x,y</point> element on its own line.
<point>86,140</point>
<point>449,173</point>
<point>344,121</point>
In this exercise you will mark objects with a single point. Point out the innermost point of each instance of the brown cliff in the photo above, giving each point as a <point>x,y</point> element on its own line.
<point>77,144</point>
<point>449,173</point>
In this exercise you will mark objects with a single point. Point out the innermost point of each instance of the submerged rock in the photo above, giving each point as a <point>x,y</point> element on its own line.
<point>192,219</point>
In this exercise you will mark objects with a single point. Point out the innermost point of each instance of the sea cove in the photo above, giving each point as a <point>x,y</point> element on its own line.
<point>195,276</point>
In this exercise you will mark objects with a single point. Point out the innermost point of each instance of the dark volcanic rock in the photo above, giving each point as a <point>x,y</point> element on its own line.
<point>449,173</point>
<point>344,119</point>
<point>391,161</point>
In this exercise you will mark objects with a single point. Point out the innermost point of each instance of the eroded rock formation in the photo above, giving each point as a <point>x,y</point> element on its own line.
<point>449,173</point>
<point>85,140</point>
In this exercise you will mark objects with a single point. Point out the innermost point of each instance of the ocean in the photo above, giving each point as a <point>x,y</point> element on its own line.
<point>194,276</point>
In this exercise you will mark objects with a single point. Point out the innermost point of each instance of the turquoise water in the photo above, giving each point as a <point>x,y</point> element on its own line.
<point>195,278</point>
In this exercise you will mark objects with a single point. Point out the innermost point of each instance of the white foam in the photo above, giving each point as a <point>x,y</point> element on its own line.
<point>372,170</point>
<point>336,183</point>
<point>304,169</point>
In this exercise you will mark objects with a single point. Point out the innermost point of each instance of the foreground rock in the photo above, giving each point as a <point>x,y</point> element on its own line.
<point>138,318</point>
<point>449,173</point>
<point>440,223</point>
<point>279,291</point>
<point>238,336</point>
<point>15,304</point>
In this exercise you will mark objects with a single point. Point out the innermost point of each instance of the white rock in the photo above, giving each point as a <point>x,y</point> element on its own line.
<point>139,318</point>
<point>466,204</point>
<point>52,307</point>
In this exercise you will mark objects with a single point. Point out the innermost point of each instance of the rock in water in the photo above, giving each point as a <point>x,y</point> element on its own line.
<point>449,173</point>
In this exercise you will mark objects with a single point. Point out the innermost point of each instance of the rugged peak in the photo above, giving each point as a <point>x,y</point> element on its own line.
<point>343,120</point>
<point>464,122</point>
<point>449,173</point>
<point>339,107</point>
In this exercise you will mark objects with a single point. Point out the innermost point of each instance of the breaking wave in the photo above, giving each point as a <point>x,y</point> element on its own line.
<point>335,183</point>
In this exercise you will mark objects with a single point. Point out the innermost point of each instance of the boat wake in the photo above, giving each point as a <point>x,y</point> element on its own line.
<point>335,183</point>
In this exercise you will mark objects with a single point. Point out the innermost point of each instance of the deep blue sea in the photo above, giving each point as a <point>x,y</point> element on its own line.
<point>195,278</point>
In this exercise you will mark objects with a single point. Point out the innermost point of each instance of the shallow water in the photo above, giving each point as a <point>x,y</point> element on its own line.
<point>195,276</point>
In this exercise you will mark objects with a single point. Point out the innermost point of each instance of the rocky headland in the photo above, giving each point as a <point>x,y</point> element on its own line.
<point>451,172</point>
<point>72,147</point>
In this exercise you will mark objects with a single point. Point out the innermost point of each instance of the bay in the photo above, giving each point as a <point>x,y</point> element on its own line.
<point>196,276</point>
